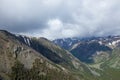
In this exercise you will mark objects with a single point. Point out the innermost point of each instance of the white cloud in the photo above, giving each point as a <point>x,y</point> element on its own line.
<point>58,29</point>
<point>61,18</point>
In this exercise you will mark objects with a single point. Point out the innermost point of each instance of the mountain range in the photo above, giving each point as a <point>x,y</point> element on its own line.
<point>31,58</point>
<point>87,49</point>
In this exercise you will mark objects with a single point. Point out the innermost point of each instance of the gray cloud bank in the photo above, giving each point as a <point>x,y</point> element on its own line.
<point>61,18</point>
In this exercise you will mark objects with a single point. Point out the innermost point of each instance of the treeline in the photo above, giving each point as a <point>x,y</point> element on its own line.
<point>39,71</point>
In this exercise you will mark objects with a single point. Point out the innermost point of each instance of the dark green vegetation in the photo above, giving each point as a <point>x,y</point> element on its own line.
<point>109,68</point>
<point>39,71</point>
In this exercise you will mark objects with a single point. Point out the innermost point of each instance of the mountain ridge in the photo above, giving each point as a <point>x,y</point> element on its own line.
<point>24,55</point>
<point>33,58</point>
<point>88,46</point>
<point>31,53</point>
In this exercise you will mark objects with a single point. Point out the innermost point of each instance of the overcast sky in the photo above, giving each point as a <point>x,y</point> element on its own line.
<point>61,18</point>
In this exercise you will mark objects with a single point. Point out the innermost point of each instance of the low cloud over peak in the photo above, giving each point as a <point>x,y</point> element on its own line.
<point>61,18</point>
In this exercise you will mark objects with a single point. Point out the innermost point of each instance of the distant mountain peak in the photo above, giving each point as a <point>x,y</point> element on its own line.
<point>85,48</point>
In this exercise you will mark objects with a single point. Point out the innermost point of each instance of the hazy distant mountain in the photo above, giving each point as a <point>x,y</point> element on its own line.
<point>87,48</point>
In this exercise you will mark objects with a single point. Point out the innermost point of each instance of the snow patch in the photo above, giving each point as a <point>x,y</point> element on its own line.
<point>100,42</point>
<point>26,40</point>
<point>110,44</point>
<point>70,44</point>
<point>115,42</point>
<point>74,46</point>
